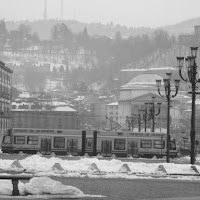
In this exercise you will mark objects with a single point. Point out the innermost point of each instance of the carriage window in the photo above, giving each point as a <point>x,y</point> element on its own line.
<point>32,140</point>
<point>119,144</point>
<point>19,140</point>
<point>159,144</point>
<point>59,142</point>
<point>59,131</point>
<point>145,143</point>
<point>89,143</point>
<point>6,139</point>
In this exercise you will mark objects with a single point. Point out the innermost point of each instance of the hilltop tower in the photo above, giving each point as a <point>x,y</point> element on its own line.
<point>45,11</point>
<point>61,10</point>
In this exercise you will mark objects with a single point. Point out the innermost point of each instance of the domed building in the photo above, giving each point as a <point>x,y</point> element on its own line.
<point>140,90</point>
<point>140,85</point>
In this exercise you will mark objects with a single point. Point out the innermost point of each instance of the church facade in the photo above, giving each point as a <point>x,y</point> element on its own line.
<point>133,96</point>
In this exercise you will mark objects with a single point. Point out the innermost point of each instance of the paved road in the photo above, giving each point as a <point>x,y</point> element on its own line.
<point>120,189</point>
<point>138,189</point>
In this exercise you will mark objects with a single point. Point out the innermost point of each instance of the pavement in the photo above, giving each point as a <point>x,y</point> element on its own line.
<point>2,197</point>
<point>177,198</point>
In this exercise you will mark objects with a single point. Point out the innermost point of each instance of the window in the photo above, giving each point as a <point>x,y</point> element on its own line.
<point>59,142</point>
<point>6,139</point>
<point>145,143</point>
<point>59,131</point>
<point>89,143</point>
<point>19,140</point>
<point>159,144</point>
<point>32,140</point>
<point>119,144</point>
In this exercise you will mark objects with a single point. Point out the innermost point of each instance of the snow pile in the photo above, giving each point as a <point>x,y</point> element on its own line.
<point>40,186</point>
<point>43,166</point>
<point>45,185</point>
<point>172,168</point>
<point>39,165</point>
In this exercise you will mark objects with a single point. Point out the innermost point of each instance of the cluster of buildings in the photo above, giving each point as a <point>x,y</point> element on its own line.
<point>130,110</point>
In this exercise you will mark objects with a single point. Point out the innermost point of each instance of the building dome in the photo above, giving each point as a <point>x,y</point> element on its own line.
<point>143,80</point>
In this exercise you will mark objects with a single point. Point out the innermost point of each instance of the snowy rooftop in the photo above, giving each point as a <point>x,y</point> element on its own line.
<point>150,69</point>
<point>60,103</point>
<point>113,104</point>
<point>143,80</point>
<point>64,109</point>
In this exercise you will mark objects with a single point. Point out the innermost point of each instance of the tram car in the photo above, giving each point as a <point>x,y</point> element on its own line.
<point>78,142</point>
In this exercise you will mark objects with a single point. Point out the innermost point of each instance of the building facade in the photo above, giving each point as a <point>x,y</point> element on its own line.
<point>56,119</point>
<point>139,91</point>
<point>112,115</point>
<point>5,97</point>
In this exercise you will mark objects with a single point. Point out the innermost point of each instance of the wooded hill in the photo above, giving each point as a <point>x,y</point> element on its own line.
<point>43,27</point>
<point>124,47</point>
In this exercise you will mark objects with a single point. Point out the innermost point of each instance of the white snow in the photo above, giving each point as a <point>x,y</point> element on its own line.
<point>45,185</point>
<point>41,167</point>
<point>113,104</point>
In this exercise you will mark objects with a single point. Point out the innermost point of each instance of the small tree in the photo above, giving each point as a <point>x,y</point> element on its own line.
<point>61,69</point>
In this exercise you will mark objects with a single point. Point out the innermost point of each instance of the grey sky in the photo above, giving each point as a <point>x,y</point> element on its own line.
<point>151,13</point>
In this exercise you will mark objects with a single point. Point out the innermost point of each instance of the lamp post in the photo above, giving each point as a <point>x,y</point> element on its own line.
<point>149,111</point>
<point>142,114</point>
<point>145,117</point>
<point>152,112</point>
<point>190,63</point>
<point>168,96</point>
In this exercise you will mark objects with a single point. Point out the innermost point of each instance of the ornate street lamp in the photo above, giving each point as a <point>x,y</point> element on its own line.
<point>149,114</point>
<point>152,112</point>
<point>168,96</point>
<point>190,64</point>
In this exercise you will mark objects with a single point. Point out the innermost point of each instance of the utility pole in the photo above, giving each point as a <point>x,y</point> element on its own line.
<point>45,11</point>
<point>61,10</point>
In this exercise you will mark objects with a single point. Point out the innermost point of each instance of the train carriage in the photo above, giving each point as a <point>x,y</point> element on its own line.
<point>70,142</point>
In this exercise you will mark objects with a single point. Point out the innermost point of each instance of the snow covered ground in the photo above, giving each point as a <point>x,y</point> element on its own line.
<point>42,168</point>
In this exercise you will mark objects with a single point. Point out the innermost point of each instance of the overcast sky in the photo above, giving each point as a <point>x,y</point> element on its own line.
<point>135,13</point>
